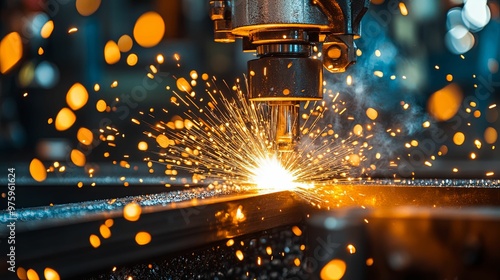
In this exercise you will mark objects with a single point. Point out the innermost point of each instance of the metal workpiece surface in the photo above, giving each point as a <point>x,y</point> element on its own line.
<point>189,218</point>
<point>58,236</point>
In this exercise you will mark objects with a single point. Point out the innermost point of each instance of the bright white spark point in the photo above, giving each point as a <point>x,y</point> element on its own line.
<point>269,174</point>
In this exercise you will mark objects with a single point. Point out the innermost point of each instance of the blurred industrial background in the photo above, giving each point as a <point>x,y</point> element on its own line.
<point>77,76</point>
<point>439,57</point>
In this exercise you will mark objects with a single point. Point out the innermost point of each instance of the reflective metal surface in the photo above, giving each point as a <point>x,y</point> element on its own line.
<point>58,236</point>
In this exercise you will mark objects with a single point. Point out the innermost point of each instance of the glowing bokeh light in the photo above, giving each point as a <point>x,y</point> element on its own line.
<point>476,14</point>
<point>87,7</point>
<point>105,231</point>
<point>111,52</point>
<point>490,135</point>
<point>458,138</point>
<point>125,43</point>
<point>142,146</point>
<point>333,270</point>
<point>32,275</point>
<point>459,40</point>
<point>65,119</point>
<point>162,140</point>
<point>78,158</point>
<point>132,212</point>
<point>149,29</point>
<point>132,59</point>
<point>11,51</point>
<point>101,105</point>
<point>77,96</point>
<point>46,74</point>
<point>183,85</point>
<point>21,273</point>
<point>47,29</point>
<point>94,240</point>
<point>37,170</point>
<point>51,274</point>
<point>142,238</point>
<point>239,255</point>
<point>85,136</point>
<point>444,103</point>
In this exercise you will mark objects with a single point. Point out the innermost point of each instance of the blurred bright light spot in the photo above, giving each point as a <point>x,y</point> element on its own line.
<point>87,7</point>
<point>38,21</point>
<point>27,74</point>
<point>104,231</point>
<point>109,223</point>
<point>51,274</point>
<point>239,255</point>
<point>125,43</point>
<point>101,105</point>
<point>142,238</point>
<point>476,14</point>
<point>132,59</point>
<point>333,270</point>
<point>403,9</point>
<point>111,52</point>
<point>357,130</point>
<point>132,212</point>
<point>458,138</point>
<point>65,119</point>
<point>454,18</point>
<point>37,170</point>
<point>32,275</point>
<point>160,59</point>
<point>77,96</point>
<point>351,249</point>
<point>21,273</point>
<point>149,29</point>
<point>493,65</point>
<point>84,136</point>
<point>459,40</point>
<point>490,135</point>
<point>296,230</point>
<point>94,240</point>
<point>11,51</point>
<point>371,113</point>
<point>142,146</point>
<point>183,85</point>
<point>269,174</point>
<point>444,103</point>
<point>46,74</point>
<point>47,29</point>
<point>378,73</point>
<point>162,140</point>
<point>78,158</point>
<point>354,159</point>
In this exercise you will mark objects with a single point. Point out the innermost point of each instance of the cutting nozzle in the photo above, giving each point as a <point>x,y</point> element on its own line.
<point>285,121</point>
<point>285,34</point>
<point>283,82</point>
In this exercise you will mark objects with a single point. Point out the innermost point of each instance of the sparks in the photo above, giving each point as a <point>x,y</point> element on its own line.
<point>269,174</point>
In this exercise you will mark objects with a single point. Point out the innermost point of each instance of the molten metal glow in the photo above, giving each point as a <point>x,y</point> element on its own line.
<point>269,174</point>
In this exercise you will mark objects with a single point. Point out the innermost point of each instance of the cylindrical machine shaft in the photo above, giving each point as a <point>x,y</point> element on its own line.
<point>280,82</point>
